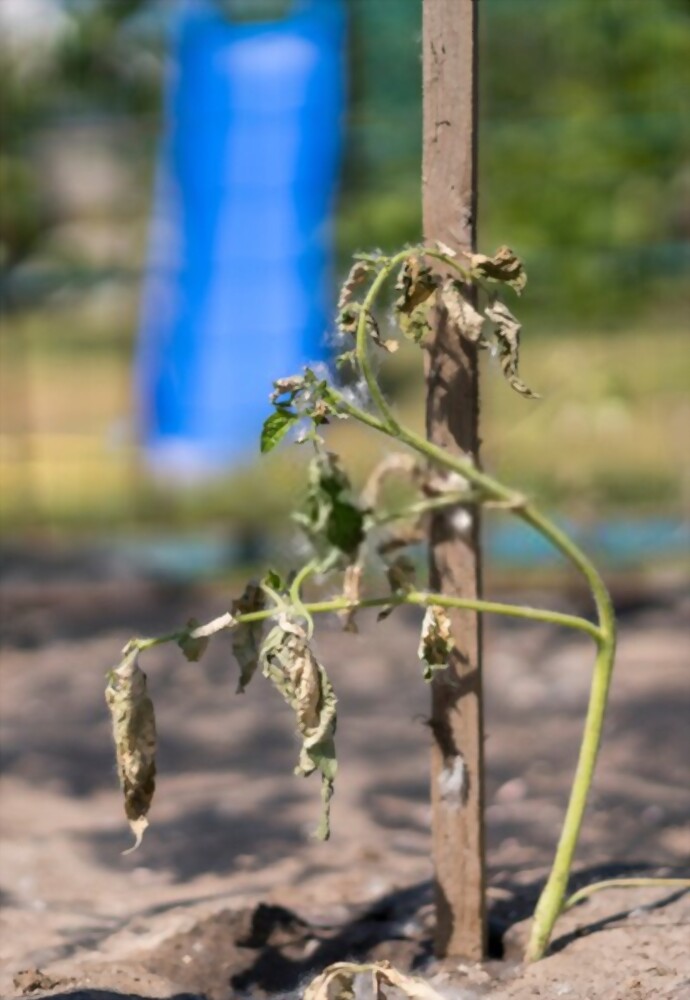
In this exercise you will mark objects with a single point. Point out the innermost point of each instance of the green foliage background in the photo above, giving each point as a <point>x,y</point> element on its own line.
<point>584,170</point>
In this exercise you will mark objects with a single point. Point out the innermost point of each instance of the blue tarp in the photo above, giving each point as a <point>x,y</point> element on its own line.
<point>238,289</point>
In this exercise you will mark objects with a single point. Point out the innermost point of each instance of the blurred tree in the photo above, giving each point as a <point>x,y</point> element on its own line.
<point>585,160</point>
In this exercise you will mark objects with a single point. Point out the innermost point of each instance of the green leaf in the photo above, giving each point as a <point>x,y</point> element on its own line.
<point>276,427</point>
<point>330,517</point>
<point>274,580</point>
<point>345,529</point>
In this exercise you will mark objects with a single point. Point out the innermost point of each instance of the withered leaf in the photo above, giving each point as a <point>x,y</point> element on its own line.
<point>246,640</point>
<point>436,641</point>
<point>134,733</point>
<point>193,647</point>
<point>330,516</point>
<point>416,282</point>
<point>461,312</point>
<point>288,661</point>
<point>400,573</point>
<point>359,272</point>
<point>416,285</point>
<point>505,266</point>
<point>507,333</point>
<point>288,386</point>
<point>337,982</point>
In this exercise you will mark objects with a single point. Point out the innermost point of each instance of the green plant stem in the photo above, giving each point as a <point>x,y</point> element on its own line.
<point>552,901</point>
<point>415,598</point>
<point>624,883</point>
<point>390,423</point>
<point>296,593</point>
<point>552,898</point>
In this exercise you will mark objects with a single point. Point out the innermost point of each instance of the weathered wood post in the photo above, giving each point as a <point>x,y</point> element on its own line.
<point>450,208</point>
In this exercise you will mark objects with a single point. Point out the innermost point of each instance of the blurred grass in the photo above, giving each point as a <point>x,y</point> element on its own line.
<point>609,433</point>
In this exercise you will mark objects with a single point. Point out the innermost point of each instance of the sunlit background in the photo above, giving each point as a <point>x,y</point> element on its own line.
<point>584,171</point>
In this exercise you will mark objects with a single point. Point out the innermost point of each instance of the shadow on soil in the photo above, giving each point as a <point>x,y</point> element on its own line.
<point>269,949</point>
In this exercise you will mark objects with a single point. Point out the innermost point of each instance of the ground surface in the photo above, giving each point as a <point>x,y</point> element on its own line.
<point>228,895</point>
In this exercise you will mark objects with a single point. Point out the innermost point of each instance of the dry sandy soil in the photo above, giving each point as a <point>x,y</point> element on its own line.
<point>228,896</point>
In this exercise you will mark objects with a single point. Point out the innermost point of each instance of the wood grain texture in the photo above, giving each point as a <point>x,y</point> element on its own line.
<point>449,206</point>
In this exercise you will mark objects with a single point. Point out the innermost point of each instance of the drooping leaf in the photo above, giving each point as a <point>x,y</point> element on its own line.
<point>134,734</point>
<point>345,530</point>
<point>507,333</point>
<point>461,312</point>
<point>416,282</point>
<point>193,648</point>
<point>195,640</point>
<point>359,272</point>
<point>389,346</point>
<point>400,573</point>
<point>416,285</point>
<point>276,427</point>
<point>290,664</point>
<point>246,640</point>
<point>436,641</point>
<point>348,321</point>
<point>505,267</point>
<point>330,516</point>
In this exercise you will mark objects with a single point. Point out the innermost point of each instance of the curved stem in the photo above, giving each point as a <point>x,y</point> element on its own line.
<point>389,420</point>
<point>624,883</point>
<point>296,594</point>
<point>552,898</point>
<point>552,901</point>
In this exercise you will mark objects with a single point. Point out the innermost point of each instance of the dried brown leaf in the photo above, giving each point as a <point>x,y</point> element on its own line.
<point>507,333</point>
<point>288,661</point>
<point>436,641</point>
<point>246,640</point>
<point>359,272</point>
<point>505,266</point>
<point>416,285</point>
<point>461,312</point>
<point>134,733</point>
<point>337,982</point>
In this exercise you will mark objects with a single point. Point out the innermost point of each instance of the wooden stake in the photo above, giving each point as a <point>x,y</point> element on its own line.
<point>449,204</point>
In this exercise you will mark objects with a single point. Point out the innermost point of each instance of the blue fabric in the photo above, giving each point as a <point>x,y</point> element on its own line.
<point>238,289</point>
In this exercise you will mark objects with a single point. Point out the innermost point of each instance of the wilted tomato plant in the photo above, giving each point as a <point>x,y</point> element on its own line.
<point>271,624</point>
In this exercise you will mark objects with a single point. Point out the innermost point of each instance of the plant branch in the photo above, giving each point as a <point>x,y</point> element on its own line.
<point>552,899</point>
<point>624,883</point>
